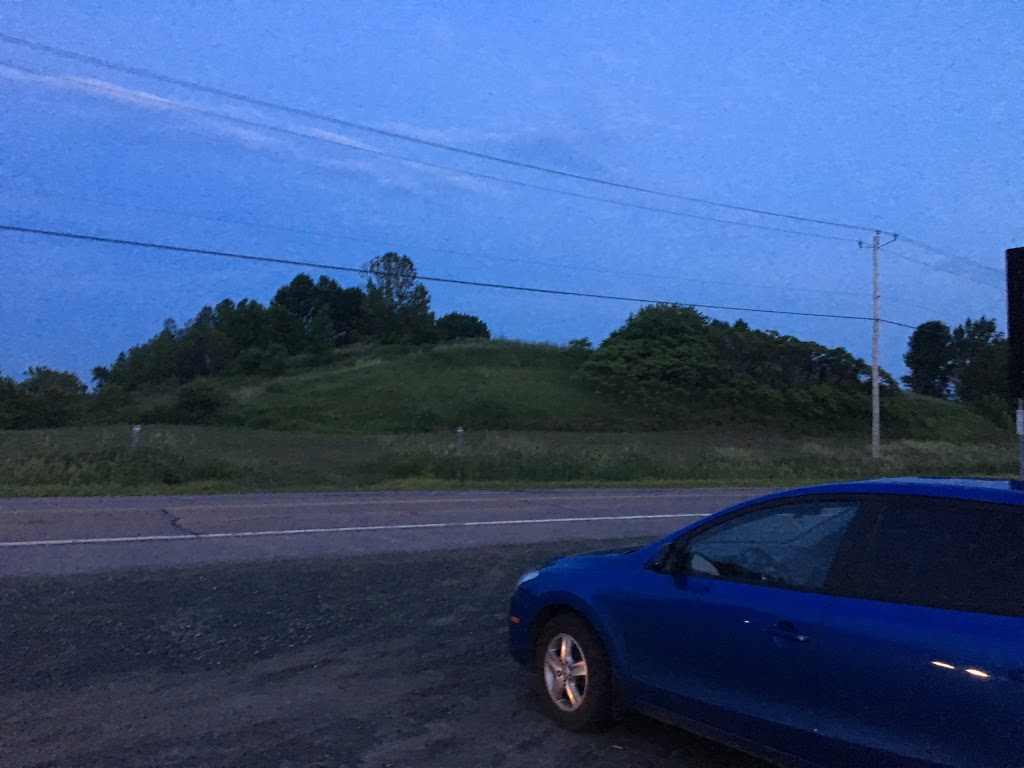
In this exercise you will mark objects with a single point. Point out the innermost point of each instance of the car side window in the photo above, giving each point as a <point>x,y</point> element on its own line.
<point>791,546</point>
<point>941,553</point>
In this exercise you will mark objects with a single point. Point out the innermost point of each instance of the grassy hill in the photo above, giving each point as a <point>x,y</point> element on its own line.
<point>385,418</point>
<point>496,385</point>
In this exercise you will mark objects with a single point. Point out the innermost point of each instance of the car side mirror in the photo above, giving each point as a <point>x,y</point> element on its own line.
<point>657,563</point>
<point>669,559</point>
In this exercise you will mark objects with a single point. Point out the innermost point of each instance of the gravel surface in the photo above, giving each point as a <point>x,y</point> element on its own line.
<point>393,660</point>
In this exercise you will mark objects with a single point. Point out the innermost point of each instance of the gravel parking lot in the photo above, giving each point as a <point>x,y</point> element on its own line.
<point>382,660</point>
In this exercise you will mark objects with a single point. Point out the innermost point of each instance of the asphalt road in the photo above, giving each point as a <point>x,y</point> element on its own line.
<point>70,535</point>
<point>281,631</point>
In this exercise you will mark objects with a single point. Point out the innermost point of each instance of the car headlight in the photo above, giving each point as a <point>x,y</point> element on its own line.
<point>528,576</point>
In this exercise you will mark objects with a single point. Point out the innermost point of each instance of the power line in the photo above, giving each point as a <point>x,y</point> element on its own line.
<point>536,262</point>
<point>938,268</point>
<point>939,252</point>
<point>424,278</point>
<point>253,101</point>
<point>180,106</point>
<point>437,166</point>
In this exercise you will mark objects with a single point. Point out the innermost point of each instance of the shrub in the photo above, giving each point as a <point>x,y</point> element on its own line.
<point>110,467</point>
<point>271,360</point>
<point>48,398</point>
<point>993,408</point>
<point>197,401</point>
<point>456,325</point>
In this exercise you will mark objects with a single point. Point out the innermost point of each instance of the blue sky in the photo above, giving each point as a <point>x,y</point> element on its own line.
<point>908,116</point>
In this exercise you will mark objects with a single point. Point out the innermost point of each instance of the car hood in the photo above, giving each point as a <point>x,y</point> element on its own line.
<point>585,559</point>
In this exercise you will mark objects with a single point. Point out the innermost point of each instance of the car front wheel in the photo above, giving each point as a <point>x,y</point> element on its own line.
<point>574,676</point>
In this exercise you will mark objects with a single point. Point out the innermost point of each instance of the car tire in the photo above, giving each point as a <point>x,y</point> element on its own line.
<point>578,698</point>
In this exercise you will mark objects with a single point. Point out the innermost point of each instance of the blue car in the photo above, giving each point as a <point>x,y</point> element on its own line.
<point>864,624</point>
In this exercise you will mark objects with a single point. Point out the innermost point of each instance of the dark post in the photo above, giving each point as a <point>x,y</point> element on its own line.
<point>1015,332</point>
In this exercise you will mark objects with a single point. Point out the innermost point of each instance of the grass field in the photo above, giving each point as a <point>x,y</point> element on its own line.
<point>184,459</point>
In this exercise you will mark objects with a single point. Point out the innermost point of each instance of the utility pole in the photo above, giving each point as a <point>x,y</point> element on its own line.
<point>876,299</point>
<point>1015,337</point>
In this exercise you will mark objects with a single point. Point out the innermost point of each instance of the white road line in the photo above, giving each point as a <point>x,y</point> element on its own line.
<point>143,503</point>
<point>348,529</point>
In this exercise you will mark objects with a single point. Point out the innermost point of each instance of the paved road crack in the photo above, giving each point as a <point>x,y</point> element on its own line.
<point>175,522</point>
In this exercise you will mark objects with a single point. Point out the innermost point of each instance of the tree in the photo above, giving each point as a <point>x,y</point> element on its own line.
<point>661,353</point>
<point>929,359</point>
<point>344,308</point>
<point>321,331</point>
<point>684,366</point>
<point>202,347</point>
<point>838,367</point>
<point>43,380</point>
<point>286,329</point>
<point>244,323</point>
<point>581,345</point>
<point>9,412</point>
<point>456,325</point>
<point>968,364</point>
<point>300,298</point>
<point>980,361</point>
<point>154,362</point>
<point>49,398</point>
<point>329,313</point>
<point>397,306</point>
<point>100,375</point>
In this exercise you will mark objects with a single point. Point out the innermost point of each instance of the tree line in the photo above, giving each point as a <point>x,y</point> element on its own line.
<point>672,360</point>
<point>304,318</point>
<point>967,364</point>
<point>303,322</point>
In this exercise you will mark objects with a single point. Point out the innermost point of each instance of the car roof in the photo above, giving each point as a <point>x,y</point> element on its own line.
<point>975,489</point>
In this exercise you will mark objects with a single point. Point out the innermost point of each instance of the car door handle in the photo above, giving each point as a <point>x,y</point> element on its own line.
<point>786,631</point>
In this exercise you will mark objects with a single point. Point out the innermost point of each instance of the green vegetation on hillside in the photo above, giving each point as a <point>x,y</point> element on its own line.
<point>325,358</point>
<point>384,417</point>
<point>685,366</point>
<point>305,320</point>
<point>502,385</point>
<point>331,387</point>
<point>490,385</point>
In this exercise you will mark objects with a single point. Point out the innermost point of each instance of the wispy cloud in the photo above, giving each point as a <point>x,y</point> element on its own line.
<point>108,91</point>
<point>337,138</point>
<point>92,86</point>
<point>450,177</point>
<point>236,126</point>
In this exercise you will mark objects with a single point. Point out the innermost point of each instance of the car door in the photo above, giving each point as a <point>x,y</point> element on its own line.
<point>924,655</point>
<point>723,632</point>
